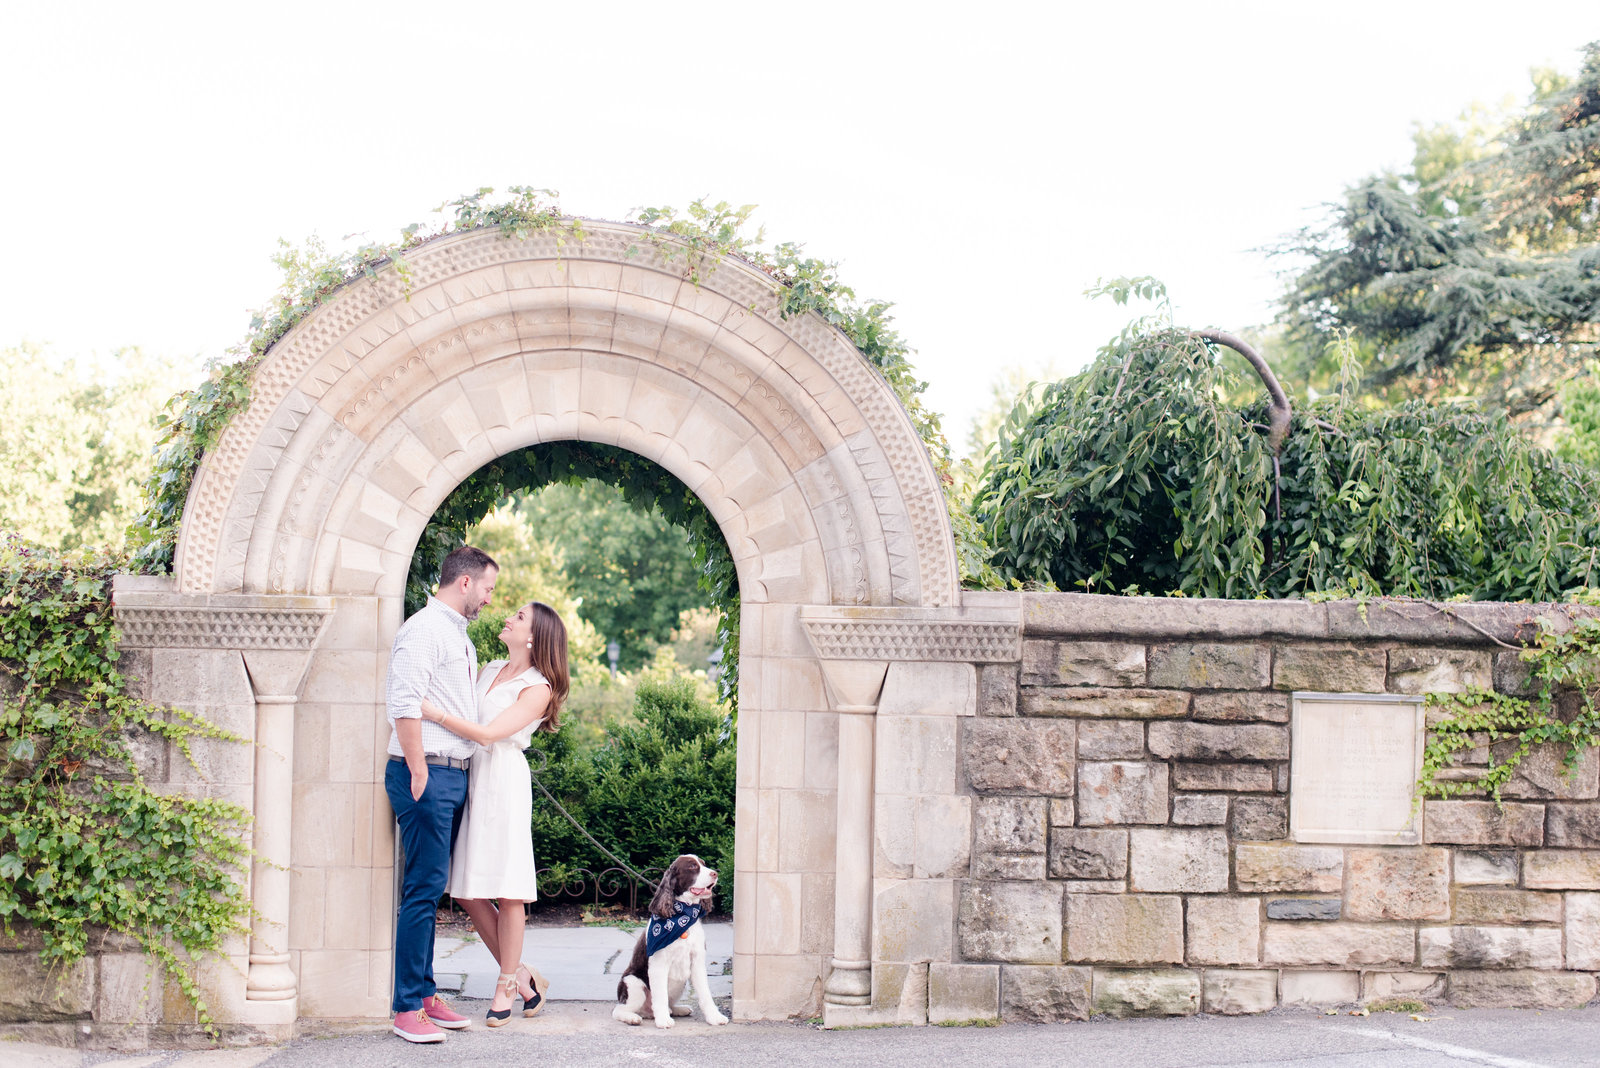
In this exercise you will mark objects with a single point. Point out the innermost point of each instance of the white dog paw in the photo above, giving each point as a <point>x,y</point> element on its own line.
<point>682,1010</point>
<point>716,1019</point>
<point>664,1021</point>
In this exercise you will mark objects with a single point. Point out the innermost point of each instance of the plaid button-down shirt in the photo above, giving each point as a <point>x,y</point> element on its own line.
<point>433,658</point>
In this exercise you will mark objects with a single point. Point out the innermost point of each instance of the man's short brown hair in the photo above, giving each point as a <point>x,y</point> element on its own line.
<point>467,560</point>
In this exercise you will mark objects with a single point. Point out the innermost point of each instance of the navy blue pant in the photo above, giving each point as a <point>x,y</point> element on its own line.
<point>427,832</point>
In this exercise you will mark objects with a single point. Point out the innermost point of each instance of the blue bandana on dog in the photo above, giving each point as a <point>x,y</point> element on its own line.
<point>661,932</point>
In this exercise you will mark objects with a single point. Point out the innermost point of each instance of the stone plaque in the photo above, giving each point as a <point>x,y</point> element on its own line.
<point>1353,767</point>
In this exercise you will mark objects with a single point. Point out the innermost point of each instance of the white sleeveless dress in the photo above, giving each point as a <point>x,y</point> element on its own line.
<point>493,856</point>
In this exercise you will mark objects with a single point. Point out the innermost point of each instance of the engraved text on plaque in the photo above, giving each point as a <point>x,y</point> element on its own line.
<point>1354,762</point>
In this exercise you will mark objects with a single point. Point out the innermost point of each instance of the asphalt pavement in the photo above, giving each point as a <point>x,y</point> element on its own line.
<point>579,1034</point>
<point>582,963</point>
<point>576,1031</point>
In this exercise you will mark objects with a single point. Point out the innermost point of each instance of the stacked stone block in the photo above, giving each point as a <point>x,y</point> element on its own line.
<point>1130,850</point>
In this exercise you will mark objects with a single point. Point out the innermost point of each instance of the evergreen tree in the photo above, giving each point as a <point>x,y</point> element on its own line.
<point>1476,273</point>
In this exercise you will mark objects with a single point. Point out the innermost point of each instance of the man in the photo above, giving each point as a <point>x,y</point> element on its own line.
<point>426,777</point>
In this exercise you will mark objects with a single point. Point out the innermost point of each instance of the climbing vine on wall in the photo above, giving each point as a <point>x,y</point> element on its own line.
<point>705,232</point>
<point>696,238</point>
<point>85,843</point>
<point>311,275</point>
<point>1559,709</point>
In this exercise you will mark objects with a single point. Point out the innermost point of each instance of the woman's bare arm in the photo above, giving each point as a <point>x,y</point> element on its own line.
<point>527,708</point>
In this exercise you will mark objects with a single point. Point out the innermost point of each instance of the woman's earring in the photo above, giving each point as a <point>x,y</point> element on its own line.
<point>530,645</point>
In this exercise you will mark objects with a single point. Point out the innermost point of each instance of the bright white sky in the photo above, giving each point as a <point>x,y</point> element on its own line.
<point>977,164</point>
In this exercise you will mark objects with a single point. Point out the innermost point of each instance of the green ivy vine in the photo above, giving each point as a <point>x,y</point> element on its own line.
<point>705,233</point>
<point>85,843</point>
<point>698,238</point>
<point>1564,678</point>
<point>197,417</point>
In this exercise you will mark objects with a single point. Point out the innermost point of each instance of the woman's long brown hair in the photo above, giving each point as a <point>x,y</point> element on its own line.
<point>549,656</point>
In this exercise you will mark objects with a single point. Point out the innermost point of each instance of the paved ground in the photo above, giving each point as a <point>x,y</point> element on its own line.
<point>582,963</point>
<point>582,1034</point>
<point>577,1031</point>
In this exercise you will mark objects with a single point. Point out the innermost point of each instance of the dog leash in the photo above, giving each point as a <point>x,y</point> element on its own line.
<point>544,763</point>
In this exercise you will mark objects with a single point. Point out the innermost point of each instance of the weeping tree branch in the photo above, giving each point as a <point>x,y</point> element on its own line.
<point>1279,419</point>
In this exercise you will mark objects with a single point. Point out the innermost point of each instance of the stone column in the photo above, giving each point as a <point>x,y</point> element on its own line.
<point>850,981</point>
<point>855,646</point>
<point>854,687</point>
<point>275,635</point>
<point>269,977</point>
<point>276,676</point>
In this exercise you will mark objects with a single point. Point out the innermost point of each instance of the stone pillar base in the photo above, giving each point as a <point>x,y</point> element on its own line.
<point>270,1016</point>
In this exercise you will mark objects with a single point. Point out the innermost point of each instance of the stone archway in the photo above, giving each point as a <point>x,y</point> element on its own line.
<point>371,411</point>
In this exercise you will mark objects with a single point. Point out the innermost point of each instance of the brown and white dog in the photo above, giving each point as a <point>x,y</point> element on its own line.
<point>671,950</point>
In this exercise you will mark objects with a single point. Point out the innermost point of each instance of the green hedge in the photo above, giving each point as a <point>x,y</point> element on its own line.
<point>662,784</point>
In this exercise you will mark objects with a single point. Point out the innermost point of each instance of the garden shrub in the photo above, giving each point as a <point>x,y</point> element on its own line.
<point>662,784</point>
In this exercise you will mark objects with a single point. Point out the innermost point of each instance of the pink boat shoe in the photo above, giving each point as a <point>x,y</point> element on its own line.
<point>414,1026</point>
<point>443,1015</point>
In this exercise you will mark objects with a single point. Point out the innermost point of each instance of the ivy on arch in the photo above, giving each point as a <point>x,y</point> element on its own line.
<point>696,240</point>
<point>643,483</point>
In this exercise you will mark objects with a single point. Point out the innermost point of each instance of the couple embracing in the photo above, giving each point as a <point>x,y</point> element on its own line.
<point>460,788</point>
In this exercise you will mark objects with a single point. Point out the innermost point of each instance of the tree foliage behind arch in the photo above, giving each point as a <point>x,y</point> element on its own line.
<point>643,484</point>
<point>1137,475</point>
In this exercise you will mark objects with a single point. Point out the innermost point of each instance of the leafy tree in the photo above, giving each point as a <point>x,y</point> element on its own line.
<point>77,438</point>
<point>1010,386</point>
<point>693,641</point>
<point>633,573</point>
<point>1580,408</point>
<point>1137,475</point>
<point>530,570</point>
<point>643,484</point>
<point>1478,271</point>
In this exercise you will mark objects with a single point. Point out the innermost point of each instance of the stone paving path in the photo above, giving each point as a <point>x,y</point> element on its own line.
<point>582,963</point>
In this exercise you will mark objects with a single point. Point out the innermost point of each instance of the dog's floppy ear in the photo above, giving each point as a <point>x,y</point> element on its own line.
<point>665,903</point>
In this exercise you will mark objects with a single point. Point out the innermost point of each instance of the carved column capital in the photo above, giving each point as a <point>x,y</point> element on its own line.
<point>967,635</point>
<point>151,614</point>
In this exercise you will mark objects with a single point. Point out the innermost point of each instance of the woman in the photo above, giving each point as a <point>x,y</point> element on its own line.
<point>491,869</point>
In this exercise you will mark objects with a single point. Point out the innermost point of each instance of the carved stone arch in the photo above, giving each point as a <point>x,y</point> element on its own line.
<point>370,411</point>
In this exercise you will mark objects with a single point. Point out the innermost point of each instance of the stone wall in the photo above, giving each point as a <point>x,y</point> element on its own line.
<point>240,661</point>
<point>1103,827</point>
<point>1022,807</point>
<point>116,997</point>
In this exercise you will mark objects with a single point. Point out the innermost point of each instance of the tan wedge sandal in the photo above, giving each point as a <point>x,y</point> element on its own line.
<point>533,994</point>
<point>507,986</point>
